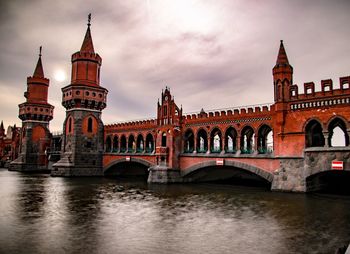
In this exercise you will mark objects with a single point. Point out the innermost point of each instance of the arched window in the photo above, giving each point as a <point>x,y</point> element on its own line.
<point>108,144</point>
<point>230,140</point>
<point>115,144</point>
<point>189,141</point>
<point>313,134</point>
<point>215,140</point>
<point>69,125</point>
<point>265,139</point>
<point>202,141</point>
<point>131,144</point>
<point>139,144</point>
<point>337,134</point>
<point>247,140</point>
<point>123,144</point>
<point>164,139</point>
<point>149,143</point>
<point>89,129</point>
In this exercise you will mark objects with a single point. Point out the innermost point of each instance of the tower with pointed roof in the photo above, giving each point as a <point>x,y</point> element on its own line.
<point>84,100</point>
<point>35,113</point>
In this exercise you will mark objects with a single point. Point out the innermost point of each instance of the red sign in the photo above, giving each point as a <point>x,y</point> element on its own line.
<point>220,162</point>
<point>337,165</point>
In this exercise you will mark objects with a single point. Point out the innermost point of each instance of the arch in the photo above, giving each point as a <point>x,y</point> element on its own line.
<point>329,181</point>
<point>265,139</point>
<point>115,143</point>
<point>337,132</point>
<point>108,147</point>
<point>89,128</point>
<point>313,134</point>
<point>202,141</point>
<point>69,125</point>
<point>131,144</point>
<point>215,140</point>
<point>133,167</point>
<point>247,140</point>
<point>140,144</point>
<point>252,169</point>
<point>189,141</point>
<point>149,143</point>
<point>90,125</point>
<point>230,140</point>
<point>122,144</point>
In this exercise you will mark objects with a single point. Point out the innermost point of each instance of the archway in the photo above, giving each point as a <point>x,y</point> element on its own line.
<point>149,143</point>
<point>136,169</point>
<point>215,140</point>
<point>123,144</point>
<point>313,134</point>
<point>189,141</point>
<point>131,144</point>
<point>337,134</point>
<point>108,144</point>
<point>115,144</point>
<point>230,140</point>
<point>247,140</point>
<point>139,144</point>
<point>265,139</point>
<point>202,141</point>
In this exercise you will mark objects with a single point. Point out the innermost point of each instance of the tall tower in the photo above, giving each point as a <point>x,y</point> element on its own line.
<point>84,100</point>
<point>35,113</point>
<point>282,81</point>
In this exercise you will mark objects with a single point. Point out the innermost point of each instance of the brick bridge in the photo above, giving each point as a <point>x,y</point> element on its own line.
<point>289,144</point>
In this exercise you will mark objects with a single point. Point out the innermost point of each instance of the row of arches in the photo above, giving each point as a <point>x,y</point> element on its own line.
<point>230,141</point>
<point>336,134</point>
<point>130,144</point>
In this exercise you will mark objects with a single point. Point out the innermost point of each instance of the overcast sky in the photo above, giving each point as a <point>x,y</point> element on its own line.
<point>211,53</point>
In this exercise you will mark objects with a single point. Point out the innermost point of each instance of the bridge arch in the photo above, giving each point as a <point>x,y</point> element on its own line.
<point>215,140</point>
<point>123,167</point>
<point>247,139</point>
<point>230,140</point>
<point>202,140</point>
<point>267,176</point>
<point>188,140</point>
<point>265,139</point>
<point>329,181</point>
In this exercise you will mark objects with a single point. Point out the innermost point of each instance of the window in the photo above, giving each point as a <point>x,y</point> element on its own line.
<point>89,125</point>
<point>70,125</point>
<point>164,139</point>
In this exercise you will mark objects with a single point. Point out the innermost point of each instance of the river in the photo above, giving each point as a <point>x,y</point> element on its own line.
<point>43,214</point>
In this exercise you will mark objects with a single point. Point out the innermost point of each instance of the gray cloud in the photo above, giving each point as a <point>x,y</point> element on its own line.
<point>211,53</point>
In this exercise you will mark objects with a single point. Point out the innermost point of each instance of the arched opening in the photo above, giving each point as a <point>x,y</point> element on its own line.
<point>331,182</point>
<point>139,144</point>
<point>313,134</point>
<point>123,144</point>
<point>69,125</point>
<point>247,140</point>
<point>265,139</point>
<point>164,139</point>
<point>108,144</point>
<point>189,141</point>
<point>131,144</point>
<point>115,144</point>
<point>128,169</point>
<point>89,129</point>
<point>149,143</point>
<point>215,140</point>
<point>230,140</point>
<point>202,141</point>
<point>337,134</point>
<point>228,175</point>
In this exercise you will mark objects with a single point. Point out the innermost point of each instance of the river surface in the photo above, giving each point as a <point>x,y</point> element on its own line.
<point>42,214</point>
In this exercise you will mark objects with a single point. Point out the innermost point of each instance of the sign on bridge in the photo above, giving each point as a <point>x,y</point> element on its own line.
<point>337,165</point>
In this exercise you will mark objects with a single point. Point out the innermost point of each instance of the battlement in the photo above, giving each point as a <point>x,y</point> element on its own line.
<point>327,89</point>
<point>141,124</point>
<point>86,56</point>
<point>228,112</point>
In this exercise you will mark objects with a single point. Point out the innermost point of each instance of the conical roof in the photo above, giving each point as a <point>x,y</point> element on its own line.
<point>87,45</point>
<point>282,58</point>
<point>39,71</point>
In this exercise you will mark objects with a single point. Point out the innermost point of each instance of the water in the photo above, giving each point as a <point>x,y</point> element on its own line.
<point>41,214</point>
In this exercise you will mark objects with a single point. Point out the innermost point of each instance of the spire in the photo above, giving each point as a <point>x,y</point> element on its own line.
<point>282,58</point>
<point>87,45</point>
<point>2,126</point>
<point>39,72</point>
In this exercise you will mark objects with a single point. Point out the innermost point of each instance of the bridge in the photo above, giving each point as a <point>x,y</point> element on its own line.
<point>289,145</point>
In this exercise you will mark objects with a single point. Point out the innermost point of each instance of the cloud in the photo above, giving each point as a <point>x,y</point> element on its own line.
<point>212,54</point>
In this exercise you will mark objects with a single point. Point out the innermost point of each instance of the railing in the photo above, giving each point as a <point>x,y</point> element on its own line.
<point>202,150</point>
<point>247,151</point>
<point>190,150</point>
<point>215,150</point>
<point>149,150</point>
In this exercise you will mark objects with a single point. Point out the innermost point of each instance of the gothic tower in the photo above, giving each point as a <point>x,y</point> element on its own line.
<point>84,100</point>
<point>35,113</point>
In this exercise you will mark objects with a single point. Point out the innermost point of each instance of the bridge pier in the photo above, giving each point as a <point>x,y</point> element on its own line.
<point>163,174</point>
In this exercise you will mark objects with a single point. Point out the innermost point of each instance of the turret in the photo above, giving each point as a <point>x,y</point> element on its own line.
<point>282,76</point>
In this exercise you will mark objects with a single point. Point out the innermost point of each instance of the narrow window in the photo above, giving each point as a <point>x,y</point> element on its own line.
<point>70,125</point>
<point>89,125</point>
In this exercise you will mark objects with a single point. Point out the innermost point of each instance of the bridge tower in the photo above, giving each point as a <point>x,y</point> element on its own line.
<point>84,100</point>
<point>282,81</point>
<point>168,141</point>
<point>35,113</point>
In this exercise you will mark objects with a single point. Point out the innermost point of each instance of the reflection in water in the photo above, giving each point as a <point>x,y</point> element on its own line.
<point>40,214</point>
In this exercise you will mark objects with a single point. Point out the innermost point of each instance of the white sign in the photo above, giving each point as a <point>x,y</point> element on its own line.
<point>220,162</point>
<point>337,165</point>
<point>127,158</point>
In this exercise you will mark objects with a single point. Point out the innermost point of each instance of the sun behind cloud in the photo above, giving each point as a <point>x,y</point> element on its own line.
<point>60,75</point>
